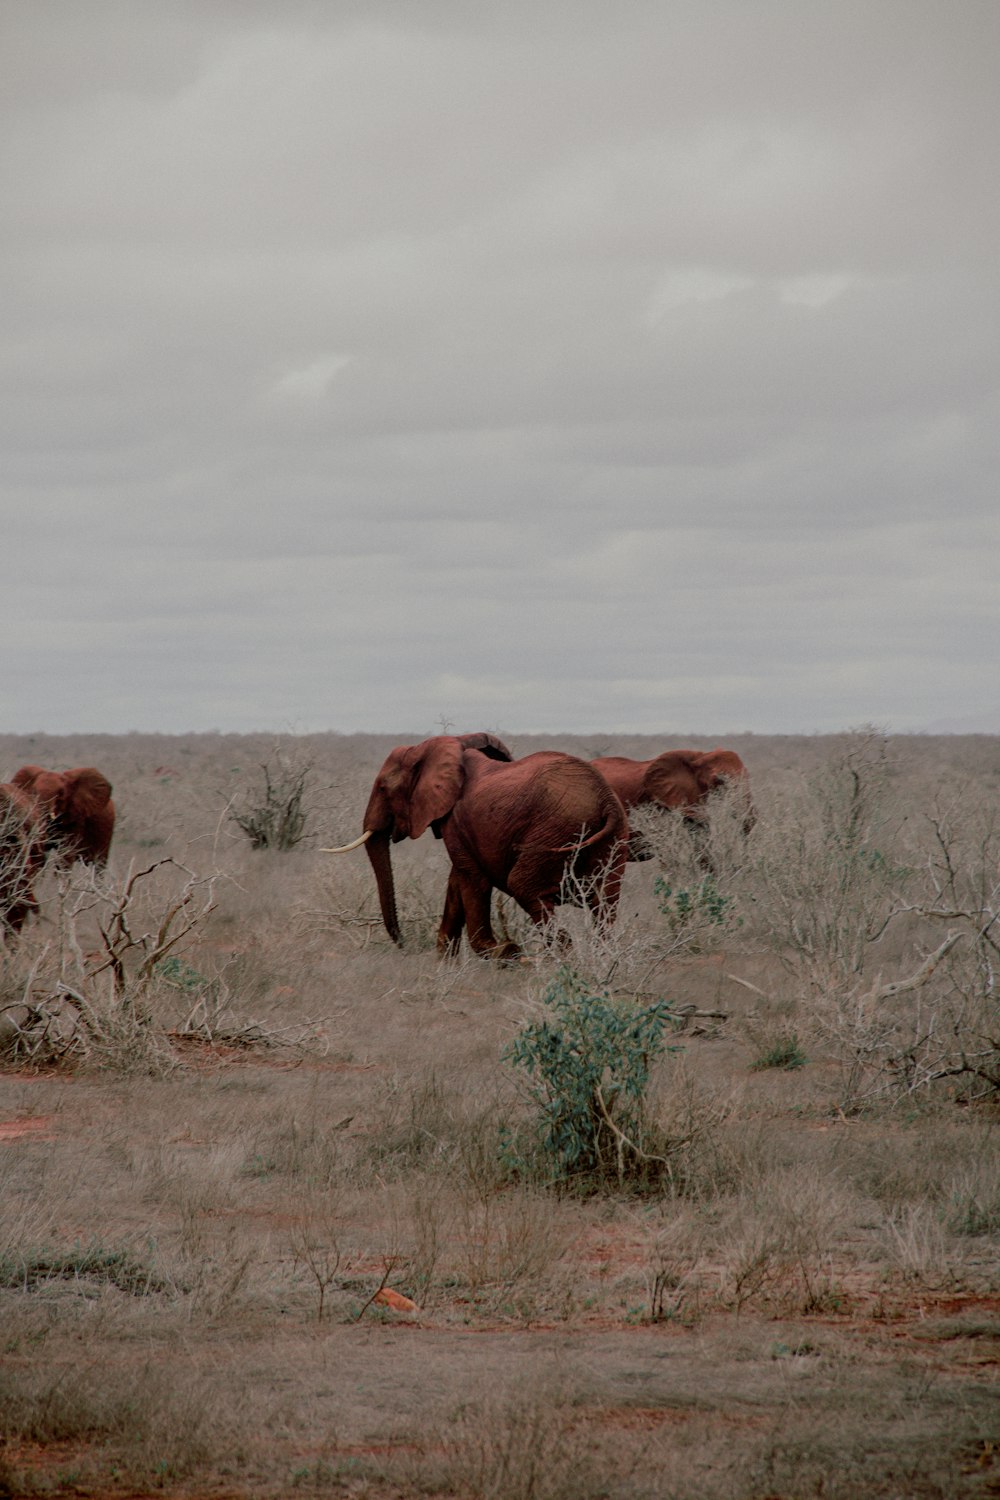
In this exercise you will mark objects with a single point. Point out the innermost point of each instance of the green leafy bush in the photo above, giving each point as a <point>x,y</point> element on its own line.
<point>705,904</point>
<point>588,1062</point>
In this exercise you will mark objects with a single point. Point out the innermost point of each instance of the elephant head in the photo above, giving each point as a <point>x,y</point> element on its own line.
<point>416,788</point>
<point>717,769</point>
<point>77,806</point>
<point>679,779</point>
<point>684,778</point>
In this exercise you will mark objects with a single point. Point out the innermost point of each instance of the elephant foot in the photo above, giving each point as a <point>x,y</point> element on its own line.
<point>504,953</point>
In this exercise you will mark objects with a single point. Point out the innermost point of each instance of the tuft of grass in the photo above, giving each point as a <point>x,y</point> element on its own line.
<point>520,1445</point>
<point>91,1263</point>
<point>784,1052</point>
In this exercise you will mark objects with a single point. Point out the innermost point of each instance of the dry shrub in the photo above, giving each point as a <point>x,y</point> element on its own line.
<point>521,1444</point>
<point>154,1427</point>
<point>423,1124</point>
<point>273,812</point>
<point>508,1240</point>
<point>852,893</point>
<point>678,1238</point>
<point>777,1244</point>
<point>106,988</point>
<point>459,1219</point>
<point>304,1145</point>
<point>918,1247</point>
<point>101,972</point>
<point>972,1198</point>
<point>713,1149</point>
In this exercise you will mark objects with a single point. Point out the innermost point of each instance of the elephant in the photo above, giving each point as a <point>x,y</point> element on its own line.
<point>682,779</point>
<point>78,810</point>
<point>22,854</point>
<point>517,826</point>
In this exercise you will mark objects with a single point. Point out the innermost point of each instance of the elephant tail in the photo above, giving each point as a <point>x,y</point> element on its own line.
<point>614,826</point>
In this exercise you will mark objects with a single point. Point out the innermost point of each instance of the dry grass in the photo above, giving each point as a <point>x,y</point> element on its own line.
<point>233,1140</point>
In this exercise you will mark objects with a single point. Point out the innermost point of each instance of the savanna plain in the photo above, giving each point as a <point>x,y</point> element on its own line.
<point>708,1206</point>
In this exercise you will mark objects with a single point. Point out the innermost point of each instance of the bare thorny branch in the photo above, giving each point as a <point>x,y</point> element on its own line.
<point>119,940</point>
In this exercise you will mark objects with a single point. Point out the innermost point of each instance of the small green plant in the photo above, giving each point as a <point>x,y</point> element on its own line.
<point>180,974</point>
<point>588,1063</point>
<point>783,1052</point>
<point>705,904</point>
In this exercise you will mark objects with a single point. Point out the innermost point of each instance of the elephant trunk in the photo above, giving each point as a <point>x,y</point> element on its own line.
<point>377,849</point>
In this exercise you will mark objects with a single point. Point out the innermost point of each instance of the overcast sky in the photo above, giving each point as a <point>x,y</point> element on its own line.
<point>534,364</point>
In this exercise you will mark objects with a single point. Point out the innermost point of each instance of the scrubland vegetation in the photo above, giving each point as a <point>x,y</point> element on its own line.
<point>706,1208</point>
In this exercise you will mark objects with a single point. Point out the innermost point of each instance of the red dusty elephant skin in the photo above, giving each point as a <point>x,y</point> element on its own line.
<point>79,812</point>
<point>517,826</point>
<point>681,779</point>
<point>22,855</point>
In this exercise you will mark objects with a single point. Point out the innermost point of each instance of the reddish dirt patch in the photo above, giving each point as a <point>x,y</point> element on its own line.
<point>28,1127</point>
<point>970,1302</point>
<point>609,1251</point>
<point>640,1418</point>
<point>648,1418</point>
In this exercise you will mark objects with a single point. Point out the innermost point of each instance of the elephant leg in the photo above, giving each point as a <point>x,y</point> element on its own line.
<point>604,890</point>
<point>536,883</point>
<point>531,886</point>
<point>18,913</point>
<point>540,908</point>
<point>473,893</point>
<point>449,938</point>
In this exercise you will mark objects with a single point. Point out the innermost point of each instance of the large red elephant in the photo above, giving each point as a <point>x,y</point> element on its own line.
<point>682,779</point>
<point>22,854</point>
<point>516,826</point>
<point>77,807</point>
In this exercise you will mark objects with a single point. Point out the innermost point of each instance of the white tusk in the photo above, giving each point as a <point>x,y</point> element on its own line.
<point>346,848</point>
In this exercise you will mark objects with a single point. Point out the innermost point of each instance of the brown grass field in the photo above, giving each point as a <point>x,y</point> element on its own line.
<point>216,1168</point>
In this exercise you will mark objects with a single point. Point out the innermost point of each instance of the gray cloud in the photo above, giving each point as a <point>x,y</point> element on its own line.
<point>533,365</point>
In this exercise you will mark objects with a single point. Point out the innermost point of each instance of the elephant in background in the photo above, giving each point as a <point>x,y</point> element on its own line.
<point>22,854</point>
<point>516,826</point>
<point>77,808</point>
<point>682,779</point>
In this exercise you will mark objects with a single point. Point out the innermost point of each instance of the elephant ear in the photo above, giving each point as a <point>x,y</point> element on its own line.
<point>487,744</point>
<point>715,768</point>
<point>438,778</point>
<point>88,791</point>
<point>26,776</point>
<point>671,780</point>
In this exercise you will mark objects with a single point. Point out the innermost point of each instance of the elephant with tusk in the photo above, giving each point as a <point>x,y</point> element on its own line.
<point>514,826</point>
